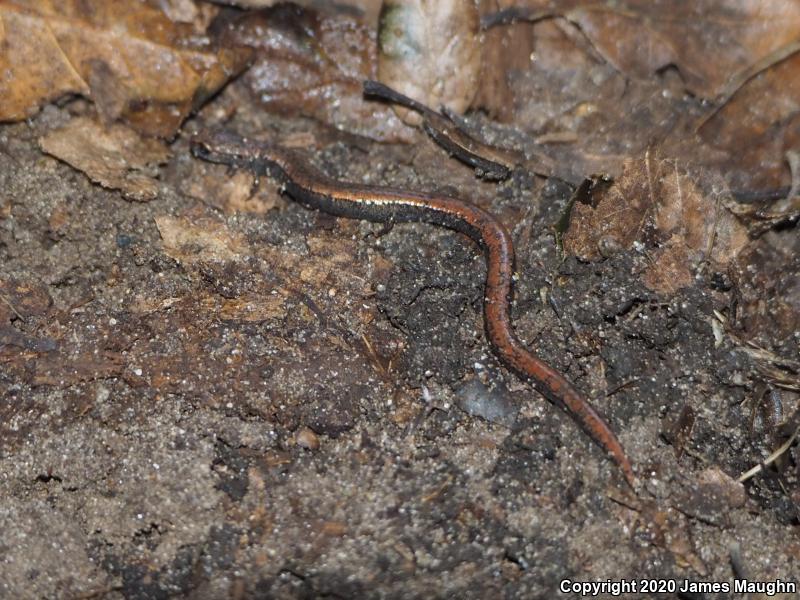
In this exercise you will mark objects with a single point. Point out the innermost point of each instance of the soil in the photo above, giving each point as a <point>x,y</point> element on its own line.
<point>315,412</point>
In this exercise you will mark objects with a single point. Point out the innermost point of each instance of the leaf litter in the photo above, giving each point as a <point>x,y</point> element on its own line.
<point>248,318</point>
<point>114,156</point>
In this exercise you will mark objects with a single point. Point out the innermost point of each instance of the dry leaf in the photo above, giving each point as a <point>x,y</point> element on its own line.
<point>563,96</point>
<point>605,218</point>
<point>561,70</point>
<point>671,268</point>
<point>660,206</point>
<point>129,58</point>
<point>115,157</point>
<point>314,65</point>
<point>707,41</point>
<point>720,485</point>
<point>756,127</point>
<point>237,193</point>
<point>431,52</point>
<point>205,240</point>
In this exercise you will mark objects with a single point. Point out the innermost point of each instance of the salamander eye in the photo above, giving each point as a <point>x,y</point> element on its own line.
<point>200,150</point>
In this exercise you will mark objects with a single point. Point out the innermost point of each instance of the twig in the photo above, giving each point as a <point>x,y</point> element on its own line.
<point>770,459</point>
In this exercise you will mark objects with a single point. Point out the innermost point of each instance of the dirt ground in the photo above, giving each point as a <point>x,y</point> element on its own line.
<point>206,402</point>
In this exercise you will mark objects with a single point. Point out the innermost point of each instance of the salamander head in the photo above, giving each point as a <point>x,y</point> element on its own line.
<point>226,148</point>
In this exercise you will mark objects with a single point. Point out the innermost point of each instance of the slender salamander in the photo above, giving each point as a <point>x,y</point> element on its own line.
<point>316,190</point>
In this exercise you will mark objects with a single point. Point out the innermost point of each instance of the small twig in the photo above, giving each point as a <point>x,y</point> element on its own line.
<point>770,459</point>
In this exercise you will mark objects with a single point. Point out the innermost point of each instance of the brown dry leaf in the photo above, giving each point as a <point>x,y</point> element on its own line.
<point>5,208</point>
<point>116,157</point>
<point>661,206</point>
<point>314,65</point>
<point>192,241</point>
<point>607,217</point>
<point>20,299</point>
<point>332,262</point>
<point>707,41</point>
<point>333,528</point>
<point>431,52</point>
<point>129,58</point>
<point>237,193</point>
<point>671,268</point>
<point>562,95</point>
<point>569,86</point>
<point>678,431</point>
<point>756,127</point>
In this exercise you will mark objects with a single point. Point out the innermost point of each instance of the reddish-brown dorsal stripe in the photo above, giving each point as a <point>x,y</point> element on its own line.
<point>316,190</point>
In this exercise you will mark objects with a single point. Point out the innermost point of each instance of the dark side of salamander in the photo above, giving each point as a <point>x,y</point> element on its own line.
<point>316,190</point>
